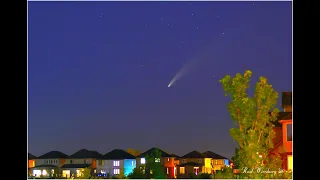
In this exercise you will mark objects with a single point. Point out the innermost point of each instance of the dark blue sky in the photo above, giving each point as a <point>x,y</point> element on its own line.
<point>99,71</point>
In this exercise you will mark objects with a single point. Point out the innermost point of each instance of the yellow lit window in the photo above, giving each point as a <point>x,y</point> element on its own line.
<point>182,170</point>
<point>290,162</point>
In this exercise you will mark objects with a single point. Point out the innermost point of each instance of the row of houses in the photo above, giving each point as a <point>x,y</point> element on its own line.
<point>119,162</point>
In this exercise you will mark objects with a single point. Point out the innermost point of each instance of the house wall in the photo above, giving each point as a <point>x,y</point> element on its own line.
<point>218,164</point>
<point>196,160</point>
<point>55,162</point>
<point>31,163</point>
<point>188,170</point>
<point>287,144</point>
<point>129,165</point>
<point>108,167</point>
<point>167,162</point>
<point>80,161</point>
<point>138,162</point>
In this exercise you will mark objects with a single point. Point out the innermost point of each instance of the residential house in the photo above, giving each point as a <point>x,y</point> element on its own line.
<point>283,129</point>
<point>166,160</point>
<point>116,163</point>
<point>77,162</point>
<point>194,163</point>
<point>31,162</point>
<point>176,163</point>
<point>217,161</point>
<point>49,164</point>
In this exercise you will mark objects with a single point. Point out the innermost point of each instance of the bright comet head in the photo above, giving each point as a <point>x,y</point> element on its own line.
<point>169,85</point>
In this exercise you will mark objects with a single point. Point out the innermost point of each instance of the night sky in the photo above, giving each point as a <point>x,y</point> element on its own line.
<point>99,71</point>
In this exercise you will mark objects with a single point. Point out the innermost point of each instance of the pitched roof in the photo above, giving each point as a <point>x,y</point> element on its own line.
<point>286,99</point>
<point>210,154</point>
<point>84,153</point>
<point>191,164</point>
<point>174,155</point>
<point>76,165</point>
<point>150,151</point>
<point>31,156</point>
<point>118,154</point>
<point>193,154</point>
<point>53,155</point>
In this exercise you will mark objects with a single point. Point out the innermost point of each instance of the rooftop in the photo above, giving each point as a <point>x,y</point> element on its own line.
<point>118,154</point>
<point>53,155</point>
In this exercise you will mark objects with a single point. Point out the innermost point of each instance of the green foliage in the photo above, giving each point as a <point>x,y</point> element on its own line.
<point>137,174</point>
<point>86,173</point>
<point>226,173</point>
<point>204,176</point>
<point>235,159</point>
<point>192,176</point>
<point>254,126</point>
<point>155,167</point>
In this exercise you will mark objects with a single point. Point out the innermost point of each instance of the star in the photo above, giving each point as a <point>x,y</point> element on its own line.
<point>193,14</point>
<point>161,19</point>
<point>197,27</point>
<point>223,33</point>
<point>146,25</point>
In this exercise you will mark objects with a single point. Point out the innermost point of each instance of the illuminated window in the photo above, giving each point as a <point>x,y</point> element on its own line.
<point>151,171</point>
<point>52,171</point>
<point>196,170</point>
<point>101,162</point>
<point>182,170</point>
<point>156,159</point>
<point>290,161</point>
<point>78,173</point>
<point>132,164</point>
<point>289,132</point>
<point>44,172</point>
<point>116,163</point>
<point>168,159</point>
<point>116,171</point>
<point>143,161</point>
<point>66,173</point>
<point>103,172</point>
<point>37,173</point>
<point>167,170</point>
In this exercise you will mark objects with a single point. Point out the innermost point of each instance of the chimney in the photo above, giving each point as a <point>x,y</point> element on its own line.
<point>287,101</point>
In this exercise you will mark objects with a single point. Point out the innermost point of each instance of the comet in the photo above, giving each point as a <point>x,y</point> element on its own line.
<point>204,57</point>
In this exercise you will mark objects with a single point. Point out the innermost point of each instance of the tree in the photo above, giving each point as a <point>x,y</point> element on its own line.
<point>133,152</point>
<point>254,125</point>
<point>137,174</point>
<point>235,159</point>
<point>153,164</point>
